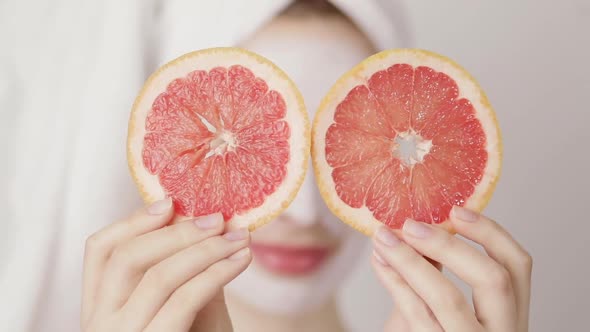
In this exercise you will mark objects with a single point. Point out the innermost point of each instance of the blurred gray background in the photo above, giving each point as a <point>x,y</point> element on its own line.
<point>532,58</point>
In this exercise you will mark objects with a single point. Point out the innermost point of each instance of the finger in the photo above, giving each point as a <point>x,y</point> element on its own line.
<point>397,322</point>
<point>160,281</point>
<point>445,301</point>
<point>129,261</point>
<point>179,312</point>
<point>434,263</point>
<point>415,312</point>
<point>493,296</point>
<point>500,246</point>
<point>100,245</point>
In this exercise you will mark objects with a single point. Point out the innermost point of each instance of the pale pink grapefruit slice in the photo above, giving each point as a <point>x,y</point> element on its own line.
<point>220,130</point>
<point>405,134</point>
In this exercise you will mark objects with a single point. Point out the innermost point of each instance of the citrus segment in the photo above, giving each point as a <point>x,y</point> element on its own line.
<point>361,110</point>
<point>353,181</point>
<point>388,198</point>
<point>349,145</point>
<point>405,134</point>
<point>220,130</point>
<point>393,90</point>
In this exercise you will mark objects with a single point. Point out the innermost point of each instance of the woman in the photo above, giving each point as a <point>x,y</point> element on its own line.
<point>141,276</point>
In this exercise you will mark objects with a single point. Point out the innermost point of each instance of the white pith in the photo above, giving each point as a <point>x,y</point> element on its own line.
<point>222,143</point>
<point>419,147</point>
<point>296,117</point>
<point>362,218</point>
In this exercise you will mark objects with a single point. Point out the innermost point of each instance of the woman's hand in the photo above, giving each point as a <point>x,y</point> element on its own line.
<point>427,301</point>
<point>142,276</point>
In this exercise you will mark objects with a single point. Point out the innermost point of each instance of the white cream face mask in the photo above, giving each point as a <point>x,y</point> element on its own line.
<point>314,51</point>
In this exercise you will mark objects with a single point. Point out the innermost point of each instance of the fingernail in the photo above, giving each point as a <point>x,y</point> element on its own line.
<point>210,221</point>
<point>416,229</point>
<point>238,234</point>
<point>465,214</point>
<point>379,259</point>
<point>240,254</point>
<point>160,207</point>
<point>386,236</point>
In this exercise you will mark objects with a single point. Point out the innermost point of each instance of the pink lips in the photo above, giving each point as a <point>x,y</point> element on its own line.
<point>289,260</point>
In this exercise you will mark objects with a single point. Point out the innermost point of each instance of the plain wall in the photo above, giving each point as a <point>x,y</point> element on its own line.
<point>531,57</point>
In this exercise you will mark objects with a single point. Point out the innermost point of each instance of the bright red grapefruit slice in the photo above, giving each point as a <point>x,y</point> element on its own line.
<point>405,134</point>
<point>220,130</point>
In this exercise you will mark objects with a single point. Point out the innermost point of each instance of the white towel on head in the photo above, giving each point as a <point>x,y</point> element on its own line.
<point>71,70</point>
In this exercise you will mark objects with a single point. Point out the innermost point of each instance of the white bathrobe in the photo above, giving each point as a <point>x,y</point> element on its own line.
<point>69,71</point>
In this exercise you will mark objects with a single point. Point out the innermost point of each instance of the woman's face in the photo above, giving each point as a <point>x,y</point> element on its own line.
<point>300,258</point>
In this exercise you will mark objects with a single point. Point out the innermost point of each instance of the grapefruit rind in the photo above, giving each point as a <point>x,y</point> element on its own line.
<point>362,219</point>
<point>207,59</point>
